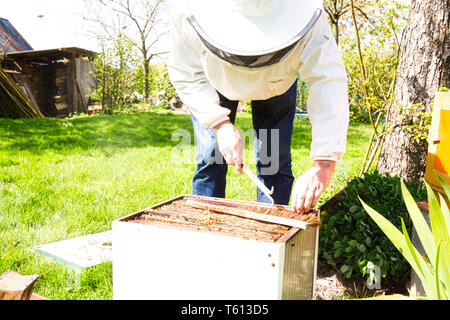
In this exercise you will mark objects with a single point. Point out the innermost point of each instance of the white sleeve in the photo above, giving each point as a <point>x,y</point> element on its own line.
<point>187,75</point>
<point>328,107</point>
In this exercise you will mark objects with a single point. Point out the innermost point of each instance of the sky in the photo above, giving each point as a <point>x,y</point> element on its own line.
<point>61,24</point>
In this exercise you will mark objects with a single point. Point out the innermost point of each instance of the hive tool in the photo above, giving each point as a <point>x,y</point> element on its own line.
<point>261,186</point>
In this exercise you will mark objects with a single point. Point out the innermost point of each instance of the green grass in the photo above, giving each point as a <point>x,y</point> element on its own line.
<point>61,179</point>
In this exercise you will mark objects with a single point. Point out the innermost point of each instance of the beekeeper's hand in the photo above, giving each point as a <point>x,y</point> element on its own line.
<point>231,144</point>
<point>310,187</point>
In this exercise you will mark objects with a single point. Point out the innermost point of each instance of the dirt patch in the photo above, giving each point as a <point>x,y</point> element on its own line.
<point>331,285</point>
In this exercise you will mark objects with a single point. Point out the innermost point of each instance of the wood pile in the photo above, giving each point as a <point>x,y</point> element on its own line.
<point>13,102</point>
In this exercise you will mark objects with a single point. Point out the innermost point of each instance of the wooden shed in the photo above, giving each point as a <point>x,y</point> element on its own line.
<point>57,81</point>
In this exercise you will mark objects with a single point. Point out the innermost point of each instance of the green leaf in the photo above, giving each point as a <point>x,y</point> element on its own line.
<point>438,282</point>
<point>347,270</point>
<point>421,265</point>
<point>445,210</point>
<point>445,250</point>
<point>420,224</point>
<point>338,253</point>
<point>411,249</point>
<point>438,224</point>
<point>362,264</point>
<point>444,185</point>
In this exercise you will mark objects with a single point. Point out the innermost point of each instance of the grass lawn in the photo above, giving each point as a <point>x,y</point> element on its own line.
<point>61,179</point>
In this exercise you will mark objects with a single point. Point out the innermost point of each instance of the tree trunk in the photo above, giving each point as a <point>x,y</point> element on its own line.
<point>146,65</point>
<point>424,67</point>
<point>336,29</point>
<point>146,80</point>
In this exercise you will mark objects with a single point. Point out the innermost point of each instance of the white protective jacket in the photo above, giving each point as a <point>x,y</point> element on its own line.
<point>197,73</point>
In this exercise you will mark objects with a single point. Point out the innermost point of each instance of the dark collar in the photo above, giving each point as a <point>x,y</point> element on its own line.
<point>252,59</point>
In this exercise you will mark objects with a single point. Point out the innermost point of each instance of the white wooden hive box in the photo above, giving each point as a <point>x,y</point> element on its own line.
<point>168,255</point>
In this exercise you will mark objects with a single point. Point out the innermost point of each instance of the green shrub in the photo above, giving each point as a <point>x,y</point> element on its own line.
<point>383,69</point>
<point>350,239</point>
<point>114,75</point>
<point>159,81</point>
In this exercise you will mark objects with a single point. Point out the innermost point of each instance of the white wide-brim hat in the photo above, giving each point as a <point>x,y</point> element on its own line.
<point>250,27</point>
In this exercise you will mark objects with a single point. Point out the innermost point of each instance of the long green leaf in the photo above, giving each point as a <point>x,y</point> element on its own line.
<point>445,250</point>
<point>420,224</point>
<point>411,250</point>
<point>445,267</point>
<point>445,211</point>
<point>439,229</point>
<point>444,185</point>
<point>446,246</point>
<point>438,225</point>
<point>421,264</point>
<point>398,239</point>
<point>438,281</point>
<point>444,207</point>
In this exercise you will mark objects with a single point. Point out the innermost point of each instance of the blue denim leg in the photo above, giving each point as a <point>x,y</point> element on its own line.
<point>211,172</point>
<point>273,121</point>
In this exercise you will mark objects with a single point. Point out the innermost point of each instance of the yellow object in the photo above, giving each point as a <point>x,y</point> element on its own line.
<point>438,161</point>
<point>442,162</point>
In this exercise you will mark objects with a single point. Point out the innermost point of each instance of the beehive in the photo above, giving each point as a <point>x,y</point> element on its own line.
<point>173,251</point>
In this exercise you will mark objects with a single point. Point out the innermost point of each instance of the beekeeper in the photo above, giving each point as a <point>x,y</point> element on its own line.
<point>226,51</point>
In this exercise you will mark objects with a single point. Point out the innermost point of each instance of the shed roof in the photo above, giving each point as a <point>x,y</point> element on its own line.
<point>50,53</point>
<point>9,34</point>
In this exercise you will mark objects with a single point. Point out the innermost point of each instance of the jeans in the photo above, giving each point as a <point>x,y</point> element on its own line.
<point>273,121</point>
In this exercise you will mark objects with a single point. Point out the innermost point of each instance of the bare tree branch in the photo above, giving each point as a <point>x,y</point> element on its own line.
<point>338,9</point>
<point>138,15</point>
